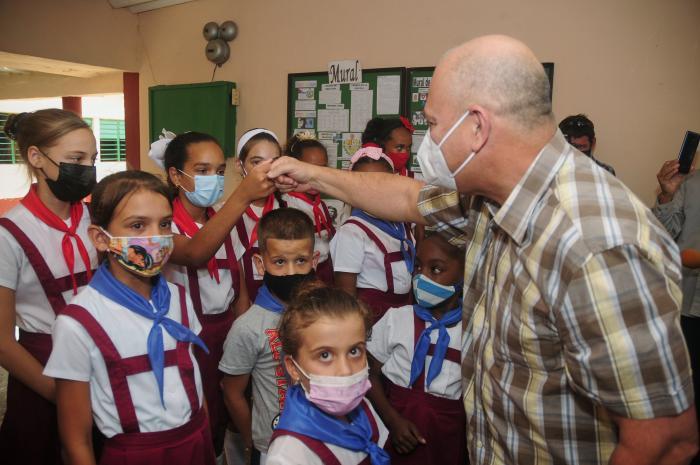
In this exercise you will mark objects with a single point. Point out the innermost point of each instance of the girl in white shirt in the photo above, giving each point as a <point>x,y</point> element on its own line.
<point>326,419</point>
<point>309,150</point>
<point>256,146</point>
<point>122,351</point>
<point>45,259</point>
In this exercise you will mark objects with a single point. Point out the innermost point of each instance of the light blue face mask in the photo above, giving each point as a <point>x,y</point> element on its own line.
<point>207,189</point>
<point>430,294</point>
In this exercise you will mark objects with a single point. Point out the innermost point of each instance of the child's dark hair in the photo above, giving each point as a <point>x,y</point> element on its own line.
<point>110,191</point>
<point>367,160</point>
<point>176,153</point>
<point>311,301</point>
<point>298,143</point>
<point>248,146</point>
<point>449,249</point>
<point>378,130</point>
<point>285,223</point>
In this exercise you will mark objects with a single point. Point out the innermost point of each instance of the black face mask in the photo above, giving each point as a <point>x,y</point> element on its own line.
<point>74,181</point>
<point>283,287</point>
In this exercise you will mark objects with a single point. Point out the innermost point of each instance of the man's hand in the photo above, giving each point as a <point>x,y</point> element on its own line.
<point>290,174</point>
<point>669,180</point>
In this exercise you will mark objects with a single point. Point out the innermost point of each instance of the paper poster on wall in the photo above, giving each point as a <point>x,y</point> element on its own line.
<point>306,94</point>
<point>300,84</point>
<point>305,114</point>
<point>388,95</point>
<point>359,86</point>
<point>305,105</point>
<point>352,141</point>
<point>304,131</point>
<point>333,120</point>
<point>329,97</point>
<point>326,135</point>
<point>360,109</point>
<point>417,139</point>
<point>344,72</point>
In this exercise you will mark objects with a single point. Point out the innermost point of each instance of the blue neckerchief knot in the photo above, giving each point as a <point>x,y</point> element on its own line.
<point>266,300</point>
<point>443,342</point>
<point>302,417</point>
<point>106,284</point>
<point>395,230</point>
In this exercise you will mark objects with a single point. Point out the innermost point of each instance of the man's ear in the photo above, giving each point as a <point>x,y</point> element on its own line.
<point>292,369</point>
<point>316,257</point>
<point>259,264</point>
<point>481,127</point>
<point>98,238</point>
<point>592,145</point>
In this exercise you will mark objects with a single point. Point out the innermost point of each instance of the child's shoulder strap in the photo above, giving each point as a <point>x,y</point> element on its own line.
<point>314,445</point>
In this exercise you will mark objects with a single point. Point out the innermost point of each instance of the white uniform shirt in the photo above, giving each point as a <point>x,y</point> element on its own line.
<point>33,310</point>
<point>392,344</point>
<point>353,251</point>
<point>288,450</point>
<point>249,225</point>
<point>76,357</point>
<point>215,297</point>
<point>322,239</point>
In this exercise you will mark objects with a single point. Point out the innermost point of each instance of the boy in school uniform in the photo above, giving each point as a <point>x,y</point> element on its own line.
<point>253,347</point>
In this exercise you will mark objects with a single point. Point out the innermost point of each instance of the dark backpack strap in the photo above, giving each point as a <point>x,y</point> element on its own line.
<point>317,447</point>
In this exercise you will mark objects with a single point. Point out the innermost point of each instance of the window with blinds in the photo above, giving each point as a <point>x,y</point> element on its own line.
<point>8,152</point>
<point>112,140</point>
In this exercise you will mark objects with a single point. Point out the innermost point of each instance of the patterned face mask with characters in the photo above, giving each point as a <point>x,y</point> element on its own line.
<point>142,255</point>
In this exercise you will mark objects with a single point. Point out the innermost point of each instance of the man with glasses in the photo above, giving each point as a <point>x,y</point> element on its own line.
<point>580,133</point>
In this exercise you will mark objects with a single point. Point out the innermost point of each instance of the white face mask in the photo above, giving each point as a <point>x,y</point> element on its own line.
<point>432,160</point>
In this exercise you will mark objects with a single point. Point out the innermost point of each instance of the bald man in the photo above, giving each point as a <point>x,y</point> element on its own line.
<point>571,287</point>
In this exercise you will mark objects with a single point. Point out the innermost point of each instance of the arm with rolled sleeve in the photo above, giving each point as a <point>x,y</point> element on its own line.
<point>624,351</point>
<point>671,214</point>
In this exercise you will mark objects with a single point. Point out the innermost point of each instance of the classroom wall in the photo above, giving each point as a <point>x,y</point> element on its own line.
<point>631,65</point>
<point>81,31</point>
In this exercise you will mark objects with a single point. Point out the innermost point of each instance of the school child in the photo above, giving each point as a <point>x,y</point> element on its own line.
<point>252,347</point>
<point>417,348</point>
<point>122,351</point>
<point>395,137</point>
<point>373,258</point>
<point>326,419</point>
<point>309,150</point>
<point>45,259</point>
<point>254,147</point>
<point>195,165</point>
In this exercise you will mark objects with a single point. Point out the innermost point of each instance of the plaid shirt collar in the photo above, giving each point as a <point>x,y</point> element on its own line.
<point>515,214</point>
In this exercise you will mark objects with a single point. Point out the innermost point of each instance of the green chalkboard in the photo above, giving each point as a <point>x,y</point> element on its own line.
<point>204,107</point>
<point>338,115</point>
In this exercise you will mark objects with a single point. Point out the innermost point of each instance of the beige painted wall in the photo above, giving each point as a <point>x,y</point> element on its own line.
<point>14,86</point>
<point>80,31</point>
<point>632,65</point>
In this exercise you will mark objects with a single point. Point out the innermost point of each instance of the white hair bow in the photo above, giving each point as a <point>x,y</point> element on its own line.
<point>157,152</point>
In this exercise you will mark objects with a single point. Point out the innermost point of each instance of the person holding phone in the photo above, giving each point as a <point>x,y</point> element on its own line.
<point>678,209</point>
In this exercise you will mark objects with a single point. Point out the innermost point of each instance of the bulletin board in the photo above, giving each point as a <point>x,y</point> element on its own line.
<point>417,85</point>
<point>336,115</point>
<point>203,107</point>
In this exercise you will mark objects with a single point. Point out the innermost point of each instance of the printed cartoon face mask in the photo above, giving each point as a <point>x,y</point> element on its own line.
<point>142,255</point>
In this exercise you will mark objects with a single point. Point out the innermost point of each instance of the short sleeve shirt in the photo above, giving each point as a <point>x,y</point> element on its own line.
<point>253,347</point>
<point>571,309</point>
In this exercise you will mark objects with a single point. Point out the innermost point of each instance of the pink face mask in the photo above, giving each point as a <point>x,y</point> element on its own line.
<point>336,395</point>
